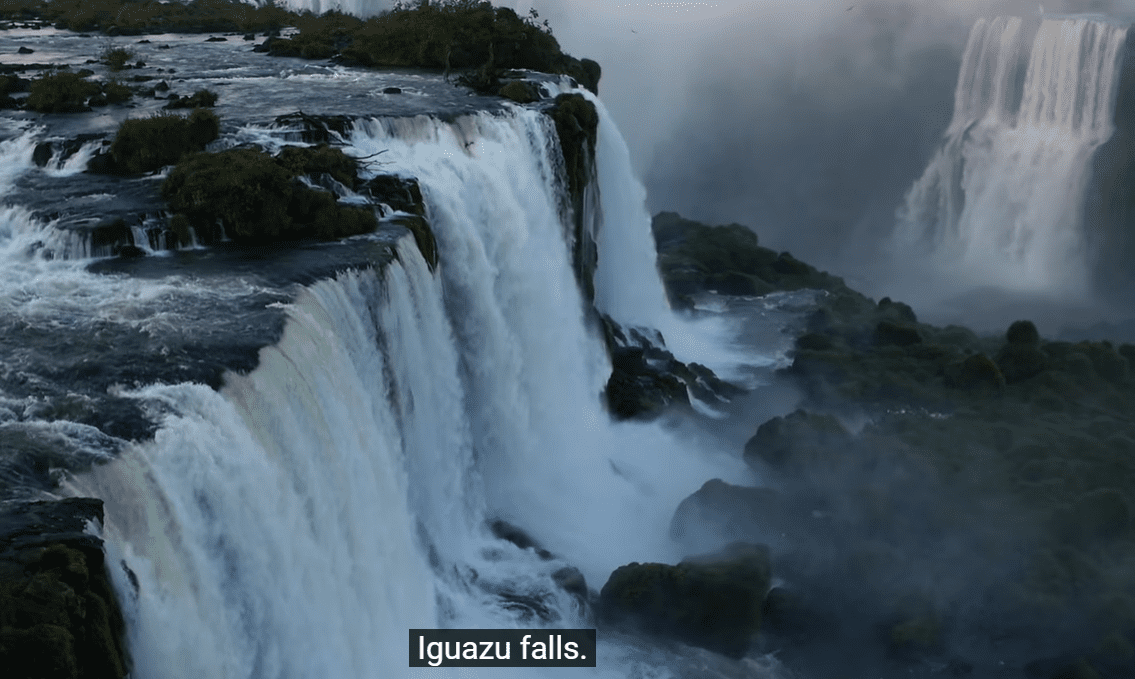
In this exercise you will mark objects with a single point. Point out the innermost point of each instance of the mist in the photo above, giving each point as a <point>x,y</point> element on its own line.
<point>808,121</point>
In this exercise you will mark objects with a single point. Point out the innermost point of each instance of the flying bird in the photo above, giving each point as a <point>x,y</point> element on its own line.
<point>634,31</point>
<point>849,8</point>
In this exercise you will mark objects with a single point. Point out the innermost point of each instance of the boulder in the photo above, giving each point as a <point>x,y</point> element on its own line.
<point>798,441</point>
<point>712,601</point>
<point>521,91</point>
<point>59,616</point>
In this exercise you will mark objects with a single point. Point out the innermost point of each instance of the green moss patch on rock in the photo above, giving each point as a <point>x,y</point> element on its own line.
<point>713,601</point>
<point>60,93</point>
<point>258,199</point>
<point>58,613</point>
<point>728,260</point>
<point>199,99</point>
<point>148,144</point>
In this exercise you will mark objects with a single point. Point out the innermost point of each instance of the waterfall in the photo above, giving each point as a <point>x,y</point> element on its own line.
<point>1002,201</point>
<point>297,522</point>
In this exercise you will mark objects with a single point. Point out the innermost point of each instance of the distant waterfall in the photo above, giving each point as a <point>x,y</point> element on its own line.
<point>1001,203</point>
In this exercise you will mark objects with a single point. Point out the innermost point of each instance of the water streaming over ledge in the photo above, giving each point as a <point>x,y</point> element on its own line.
<point>1002,201</point>
<point>299,521</point>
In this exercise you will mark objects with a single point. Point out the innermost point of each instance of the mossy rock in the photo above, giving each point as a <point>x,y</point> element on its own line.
<point>577,126</point>
<point>320,159</point>
<point>740,513</point>
<point>976,372</point>
<point>899,334</point>
<point>199,99</point>
<point>259,199</point>
<point>712,601</point>
<point>897,311</point>
<point>148,144</point>
<point>1019,361</point>
<point>60,93</point>
<point>1023,333</point>
<point>399,193</point>
<point>423,236</point>
<point>521,91</point>
<point>798,441</point>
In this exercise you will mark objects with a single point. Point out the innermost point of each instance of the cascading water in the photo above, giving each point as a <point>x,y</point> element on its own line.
<point>1002,202</point>
<point>300,520</point>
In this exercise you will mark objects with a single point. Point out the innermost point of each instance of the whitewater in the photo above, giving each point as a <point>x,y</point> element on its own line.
<point>299,520</point>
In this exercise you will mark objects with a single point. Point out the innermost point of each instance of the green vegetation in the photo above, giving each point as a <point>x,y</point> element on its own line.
<point>116,58</point>
<point>60,93</point>
<point>1000,468</point>
<point>148,144</point>
<point>134,17</point>
<point>199,99</point>
<point>259,199</point>
<point>441,34</point>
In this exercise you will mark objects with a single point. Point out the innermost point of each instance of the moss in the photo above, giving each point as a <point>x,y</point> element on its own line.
<point>1023,332</point>
<point>116,58</point>
<point>60,93</point>
<point>148,144</point>
<point>974,372</point>
<point>521,92</point>
<point>116,93</point>
<point>713,601</point>
<point>199,99</point>
<point>259,199</point>
<point>323,158</point>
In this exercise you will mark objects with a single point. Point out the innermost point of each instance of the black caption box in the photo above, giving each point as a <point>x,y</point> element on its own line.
<point>502,648</point>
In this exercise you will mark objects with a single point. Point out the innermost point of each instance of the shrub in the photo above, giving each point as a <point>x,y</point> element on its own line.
<point>259,199</point>
<point>60,93</point>
<point>199,99</point>
<point>116,58</point>
<point>116,93</point>
<point>147,144</point>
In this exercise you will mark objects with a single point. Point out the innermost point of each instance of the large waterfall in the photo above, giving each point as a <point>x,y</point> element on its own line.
<point>1002,202</point>
<point>297,522</point>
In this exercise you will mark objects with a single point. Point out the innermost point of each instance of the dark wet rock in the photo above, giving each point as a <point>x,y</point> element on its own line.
<point>317,129</point>
<point>25,50</point>
<point>798,441</point>
<point>723,512</point>
<point>712,601</point>
<point>787,613</point>
<point>517,536</point>
<point>1023,332</point>
<point>727,260</point>
<point>571,580</point>
<point>646,378</point>
<point>401,194</point>
<point>1020,361</point>
<point>392,90</point>
<point>59,616</point>
<point>129,251</point>
<point>520,91</point>
<point>577,124</point>
<point>423,237</point>
<point>199,99</point>
<point>974,372</point>
<point>42,153</point>
<point>216,38</point>
<point>260,199</point>
<point>248,37</point>
<point>889,332</point>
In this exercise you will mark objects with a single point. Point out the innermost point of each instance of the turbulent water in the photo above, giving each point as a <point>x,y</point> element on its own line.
<point>1002,202</point>
<point>298,520</point>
